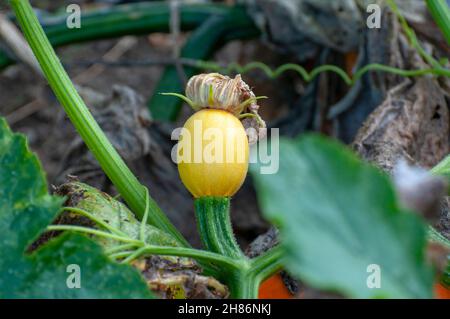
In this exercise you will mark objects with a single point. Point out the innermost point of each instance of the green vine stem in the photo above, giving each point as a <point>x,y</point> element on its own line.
<point>441,15</point>
<point>227,263</point>
<point>111,162</point>
<point>119,248</point>
<point>94,232</point>
<point>309,76</point>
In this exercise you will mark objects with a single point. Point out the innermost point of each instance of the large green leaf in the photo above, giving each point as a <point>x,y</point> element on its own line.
<point>25,210</point>
<point>337,216</point>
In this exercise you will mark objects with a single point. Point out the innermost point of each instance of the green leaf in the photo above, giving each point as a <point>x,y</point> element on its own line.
<point>26,209</point>
<point>111,211</point>
<point>337,216</point>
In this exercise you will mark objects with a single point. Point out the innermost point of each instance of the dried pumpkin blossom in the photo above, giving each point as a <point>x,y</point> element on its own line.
<point>217,91</point>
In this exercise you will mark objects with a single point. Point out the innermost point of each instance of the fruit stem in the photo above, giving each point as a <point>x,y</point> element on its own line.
<point>213,218</point>
<point>214,224</point>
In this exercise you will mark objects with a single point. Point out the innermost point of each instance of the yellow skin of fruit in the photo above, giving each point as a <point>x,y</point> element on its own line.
<point>222,178</point>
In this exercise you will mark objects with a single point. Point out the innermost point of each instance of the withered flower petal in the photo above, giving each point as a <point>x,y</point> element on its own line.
<point>214,90</point>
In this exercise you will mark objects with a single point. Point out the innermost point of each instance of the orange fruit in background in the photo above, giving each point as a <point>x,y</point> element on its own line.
<point>274,288</point>
<point>440,292</point>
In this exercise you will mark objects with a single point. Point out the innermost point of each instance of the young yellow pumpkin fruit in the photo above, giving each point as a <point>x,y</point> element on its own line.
<point>213,154</point>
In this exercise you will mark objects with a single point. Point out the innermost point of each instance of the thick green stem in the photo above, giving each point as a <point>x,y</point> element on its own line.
<point>111,162</point>
<point>213,219</point>
<point>243,286</point>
